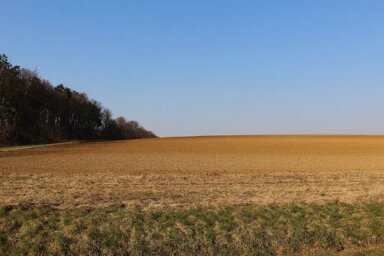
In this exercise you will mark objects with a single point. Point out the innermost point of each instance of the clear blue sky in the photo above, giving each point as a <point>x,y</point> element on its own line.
<point>211,67</point>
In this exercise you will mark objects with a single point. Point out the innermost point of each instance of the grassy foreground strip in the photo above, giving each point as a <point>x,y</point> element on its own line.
<point>333,228</point>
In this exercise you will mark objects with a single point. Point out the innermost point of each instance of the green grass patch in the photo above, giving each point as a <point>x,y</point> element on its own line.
<point>330,229</point>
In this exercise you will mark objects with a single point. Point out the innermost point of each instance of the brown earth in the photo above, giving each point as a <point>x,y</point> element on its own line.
<point>196,171</point>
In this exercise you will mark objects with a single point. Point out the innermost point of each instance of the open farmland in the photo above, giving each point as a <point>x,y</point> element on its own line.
<point>195,195</point>
<point>201,170</point>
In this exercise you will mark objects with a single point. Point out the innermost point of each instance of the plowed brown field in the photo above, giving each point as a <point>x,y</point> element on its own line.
<point>196,171</point>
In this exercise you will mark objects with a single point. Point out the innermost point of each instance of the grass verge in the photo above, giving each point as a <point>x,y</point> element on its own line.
<point>294,229</point>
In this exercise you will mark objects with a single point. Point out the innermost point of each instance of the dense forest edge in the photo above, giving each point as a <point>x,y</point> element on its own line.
<point>34,111</point>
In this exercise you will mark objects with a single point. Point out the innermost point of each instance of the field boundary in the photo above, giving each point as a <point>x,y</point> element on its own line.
<point>14,148</point>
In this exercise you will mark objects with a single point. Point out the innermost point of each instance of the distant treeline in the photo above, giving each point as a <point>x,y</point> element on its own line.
<point>34,111</point>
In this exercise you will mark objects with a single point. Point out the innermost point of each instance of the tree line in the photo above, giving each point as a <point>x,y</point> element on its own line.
<point>34,111</point>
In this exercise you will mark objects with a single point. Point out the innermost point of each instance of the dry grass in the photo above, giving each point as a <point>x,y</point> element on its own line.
<point>208,171</point>
<point>299,229</point>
